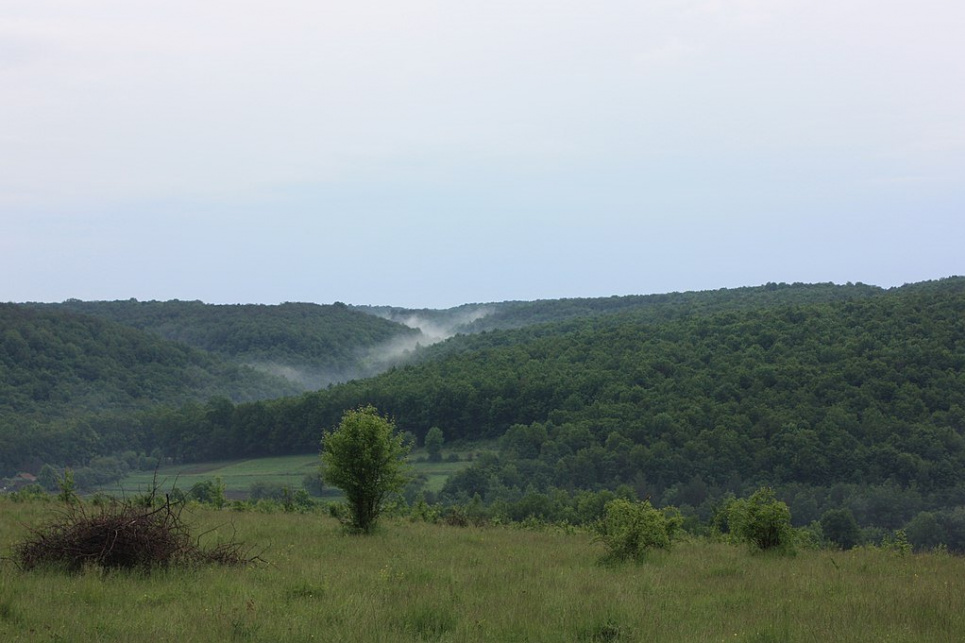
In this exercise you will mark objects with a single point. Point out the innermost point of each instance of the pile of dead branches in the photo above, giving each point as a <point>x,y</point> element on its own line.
<point>121,535</point>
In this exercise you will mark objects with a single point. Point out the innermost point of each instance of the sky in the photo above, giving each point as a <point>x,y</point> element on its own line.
<point>433,153</point>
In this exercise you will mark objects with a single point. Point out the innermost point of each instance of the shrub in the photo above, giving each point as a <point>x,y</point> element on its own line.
<point>424,511</point>
<point>631,529</point>
<point>473,513</point>
<point>209,492</point>
<point>897,543</point>
<point>762,520</point>
<point>840,527</point>
<point>264,490</point>
<point>29,492</point>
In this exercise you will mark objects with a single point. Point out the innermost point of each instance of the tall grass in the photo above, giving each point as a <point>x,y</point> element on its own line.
<point>420,582</point>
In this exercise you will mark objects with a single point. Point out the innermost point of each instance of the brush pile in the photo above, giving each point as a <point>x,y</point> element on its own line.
<point>121,535</point>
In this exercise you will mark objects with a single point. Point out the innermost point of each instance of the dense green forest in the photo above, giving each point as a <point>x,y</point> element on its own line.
<point>57,363</point>
<point>860,399</point>
<point>840,396</point>
<point>310,344</point>
<point>476,318</point>
<point>81,380</point>
<point>73,386</point>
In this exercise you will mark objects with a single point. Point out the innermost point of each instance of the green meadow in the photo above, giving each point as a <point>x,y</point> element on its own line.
<point>412,581</point>
<point>239,475</point>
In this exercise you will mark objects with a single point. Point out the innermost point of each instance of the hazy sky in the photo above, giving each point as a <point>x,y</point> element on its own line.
<point>433,153</point>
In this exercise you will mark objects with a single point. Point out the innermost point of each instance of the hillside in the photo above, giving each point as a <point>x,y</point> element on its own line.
<point>311,345</point>
<point>855,396</point>
<point>861,399</point>
<point>57,363</point>
<point>71,384</point>
<point>878,363</point>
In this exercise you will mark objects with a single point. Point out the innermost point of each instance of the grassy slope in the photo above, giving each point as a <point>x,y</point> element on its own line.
<point>412,582</point>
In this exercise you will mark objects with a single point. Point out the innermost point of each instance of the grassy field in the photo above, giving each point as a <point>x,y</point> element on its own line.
<point>421,582</point>
<point>238,475</point>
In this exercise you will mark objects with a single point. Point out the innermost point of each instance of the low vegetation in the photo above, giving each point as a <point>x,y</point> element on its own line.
<point>629,530</point>
<point>415,581</point>
<point>762,521</point>
<point>143,534</point>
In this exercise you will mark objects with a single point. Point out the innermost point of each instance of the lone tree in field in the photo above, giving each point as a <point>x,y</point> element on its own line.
<point>366,458</point>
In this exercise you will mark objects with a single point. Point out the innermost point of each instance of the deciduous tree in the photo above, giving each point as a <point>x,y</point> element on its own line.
<point>366,458</point>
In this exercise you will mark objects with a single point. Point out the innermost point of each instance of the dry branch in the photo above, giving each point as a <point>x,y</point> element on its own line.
<point>121,535</point>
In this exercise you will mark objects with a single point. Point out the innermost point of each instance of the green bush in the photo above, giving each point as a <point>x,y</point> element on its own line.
<point>840,528</point>
<point>630,529</point>
<point>313,483</point>
<point>209,492</point>
<point>264,490</point>
<point>28,493</point>
<point>762,520</point>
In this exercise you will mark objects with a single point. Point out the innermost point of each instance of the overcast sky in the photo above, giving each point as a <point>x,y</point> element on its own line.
<point>432,153</point>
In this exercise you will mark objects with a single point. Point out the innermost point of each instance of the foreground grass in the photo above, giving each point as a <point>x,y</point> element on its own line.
<point>419,582</point>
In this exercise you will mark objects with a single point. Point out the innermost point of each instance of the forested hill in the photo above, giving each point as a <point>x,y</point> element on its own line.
<point>312,345</point>
<point>474,318</point>
<point>55,363</point>
<point>867,390</point>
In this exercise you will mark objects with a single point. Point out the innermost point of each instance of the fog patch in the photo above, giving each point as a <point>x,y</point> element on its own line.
<point>437,330</point>
<point>308,377</point>
<point>433,327</point>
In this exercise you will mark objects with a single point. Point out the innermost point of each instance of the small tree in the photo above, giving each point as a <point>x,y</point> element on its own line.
<point>761,520</point>
<point>434,441</point>
<point>209,492</point>
<point>47,478</point>
<point>840,527</point>
<point>925,532</point>
<point>68,489</point>
<point>630,529</point>
<point>366,459</point>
